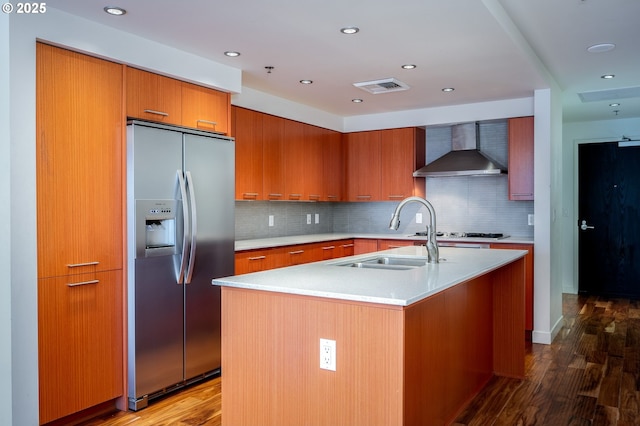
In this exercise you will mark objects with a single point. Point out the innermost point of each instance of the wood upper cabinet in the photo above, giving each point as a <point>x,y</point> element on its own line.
<point>153,97</point>
<point>79,192</point>
<point>273,160</point>
<point>363,165</point>
<point>333,165</point>
<point>247,130</point>
<point>295,161</point>
<point>380,164</point>
<point>313,162</point>
<point>402,151</point>
<point>521,151</point>
<point>206,109</point>
<point>79,163</point>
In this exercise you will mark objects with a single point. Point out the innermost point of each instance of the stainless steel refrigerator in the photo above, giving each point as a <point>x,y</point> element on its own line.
<point>180,224</point>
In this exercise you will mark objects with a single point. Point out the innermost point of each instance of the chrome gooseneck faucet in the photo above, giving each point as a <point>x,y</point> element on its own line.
<point>432,246</point>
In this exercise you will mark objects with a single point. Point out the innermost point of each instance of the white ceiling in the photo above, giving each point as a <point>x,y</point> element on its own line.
<point>485,49</point>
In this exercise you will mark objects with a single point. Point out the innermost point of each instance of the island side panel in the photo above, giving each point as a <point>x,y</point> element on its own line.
<point>509,319</point>
<point>448,351</point>
<point>270,361</point>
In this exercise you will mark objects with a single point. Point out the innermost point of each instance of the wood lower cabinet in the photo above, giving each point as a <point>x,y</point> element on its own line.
<point>391,244</point>
<point>528,292</point>
<point>279,257</point>
<point>258,260</point>
<point>521,164</point>
<point>364,245</point>
<point>79,192</point>
<point>80,342</point>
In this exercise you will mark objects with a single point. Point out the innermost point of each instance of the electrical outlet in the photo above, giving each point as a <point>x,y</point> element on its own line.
<point>328,354</point>
<point>418,217</point>
<point>317,218</point>
<point>271,220</point>
<point>530,219</point>
<point>308,219</point>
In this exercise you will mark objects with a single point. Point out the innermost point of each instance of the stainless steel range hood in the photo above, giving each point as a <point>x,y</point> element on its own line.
<point>465,158</point>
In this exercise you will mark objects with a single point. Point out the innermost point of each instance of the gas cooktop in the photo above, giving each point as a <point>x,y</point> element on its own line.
<point>486,235</point>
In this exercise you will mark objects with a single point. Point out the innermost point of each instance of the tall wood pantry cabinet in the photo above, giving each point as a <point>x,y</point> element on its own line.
<point>79,183</point>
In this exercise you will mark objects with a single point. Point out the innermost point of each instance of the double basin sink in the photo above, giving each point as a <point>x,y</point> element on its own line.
<point>390,262</point>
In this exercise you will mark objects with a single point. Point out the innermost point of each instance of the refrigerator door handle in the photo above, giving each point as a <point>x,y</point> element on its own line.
<point>180,266</point>
<point>194,228</point>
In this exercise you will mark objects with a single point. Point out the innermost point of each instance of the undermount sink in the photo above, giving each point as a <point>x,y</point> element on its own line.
<point>388,262</point>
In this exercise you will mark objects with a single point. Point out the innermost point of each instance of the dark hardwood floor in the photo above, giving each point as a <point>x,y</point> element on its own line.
<point>589,375</point>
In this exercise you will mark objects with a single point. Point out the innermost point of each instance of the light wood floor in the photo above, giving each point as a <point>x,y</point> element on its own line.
<point>589,375</point>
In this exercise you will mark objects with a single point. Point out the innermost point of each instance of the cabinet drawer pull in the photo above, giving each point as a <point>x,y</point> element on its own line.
<point>396,196</point>
<point>275,195</point>
<point>347,245</point>
<point>328,248</point>
<point>363,196</point>
<point>213,123</point>
<point>79,265</point>
<point>296,252</point>
<point>258,258</point>
<point>315,196</point>
<point>151,111</point>
<point>332,196</point>
<point>392,247</point>
<point>83,283</point>
<point>249,194</point>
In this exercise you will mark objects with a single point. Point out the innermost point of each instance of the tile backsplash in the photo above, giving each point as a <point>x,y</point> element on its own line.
<point>462,203</point>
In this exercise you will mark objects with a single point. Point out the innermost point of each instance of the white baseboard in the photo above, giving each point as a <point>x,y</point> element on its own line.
<point>546,337</point>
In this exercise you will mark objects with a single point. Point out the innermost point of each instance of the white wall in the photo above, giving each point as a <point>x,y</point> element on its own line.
<point>573,135</point>
<point>5,228</point>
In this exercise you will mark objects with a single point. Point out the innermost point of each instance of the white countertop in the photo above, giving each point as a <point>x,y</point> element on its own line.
<point>391,287</point>
<point>261,243</point>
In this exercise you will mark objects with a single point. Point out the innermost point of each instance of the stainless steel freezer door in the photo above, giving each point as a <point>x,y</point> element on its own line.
<point>158,327</point>
<point>211,163</point>
<point>154,156</point>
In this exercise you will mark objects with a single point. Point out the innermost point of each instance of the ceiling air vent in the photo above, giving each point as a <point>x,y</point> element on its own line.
<point>610,95</point>
<point>386,85</point>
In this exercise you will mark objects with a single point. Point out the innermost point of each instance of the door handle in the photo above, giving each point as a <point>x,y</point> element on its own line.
<point>181,265</point>
<point>194,228</point>
<point>584,226</point>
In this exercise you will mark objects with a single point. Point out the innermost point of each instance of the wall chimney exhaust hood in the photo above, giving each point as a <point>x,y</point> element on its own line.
<point>465,158</point>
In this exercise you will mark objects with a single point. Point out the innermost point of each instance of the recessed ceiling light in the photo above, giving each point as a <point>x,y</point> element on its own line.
<point>232,53</point>
<point>448,89</point>
<point>357,101</point>
<point>113,10</point>
<point>349,30</point>
<point>602,47</point>
<point>615,104</point>
<point>607,76</point>
<point>306,81</point>
<point>408,66</point>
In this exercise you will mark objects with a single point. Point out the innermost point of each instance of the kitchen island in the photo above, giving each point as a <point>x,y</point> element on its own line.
<point>413,344</point>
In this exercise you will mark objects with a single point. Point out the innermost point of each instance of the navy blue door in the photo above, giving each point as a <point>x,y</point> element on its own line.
<point>608,219</point>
